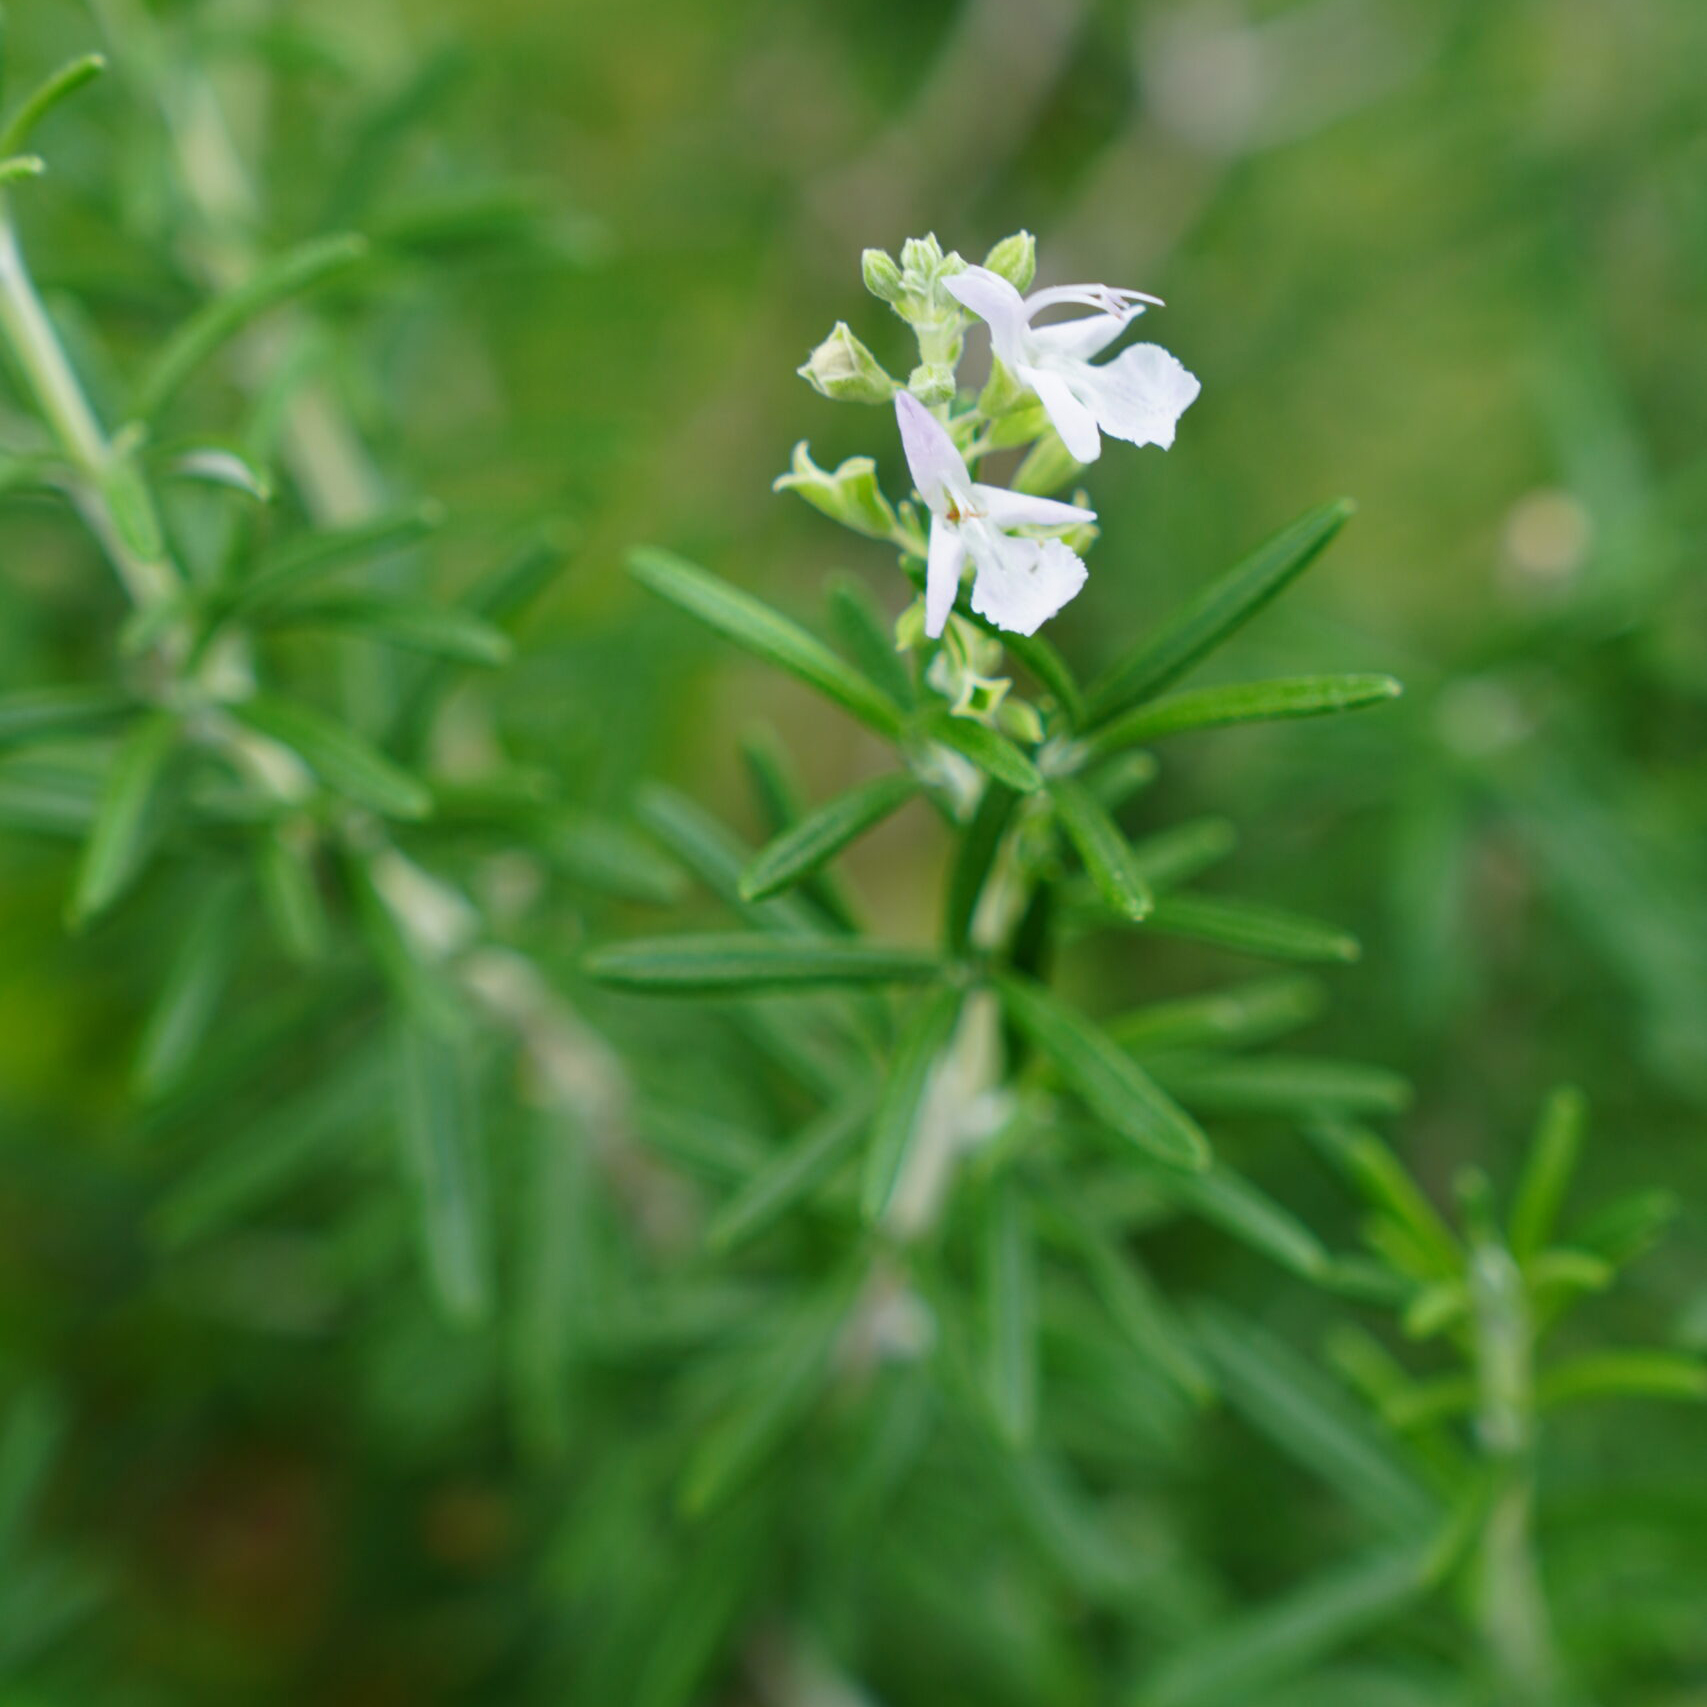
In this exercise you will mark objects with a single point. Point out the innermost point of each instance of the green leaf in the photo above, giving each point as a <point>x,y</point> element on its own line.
<point>738,964</point>
<point>118,841</point>
<point>1242,1659</point>
<point>1010,1309</point>
<point>1253,1218</point>
<point>767,634</point>
<point>1547,1171</point>
<point>608,857</point>
<point>130,503</point>
<point>339,757</point>
<point>1627,1227</point>
<point>769,1405</point>
<point>33,713</point>
<point>290,890</point>
<point>295,568</point>
<point>788,1177</point>
<point>218,321</point>
<point>1374,1171</point>
<point>1313,1421</point>
<point>895,1126</point>
<point>1138,1309</point>
<point>1250,928</point>
<point>1285,1084</point>
<point>441,631</point>
<point>1122,777</point>
<point>1624,1374</point>
<point>1242,702</point>
<point>781,807</point>
<point>1248,1013</point>
<point>1104,849</point>
<point>217,465</point>
<point>57,796</point>
<point>868,635</point>
<point>974,859</point>
<point>501,596</point>
<point>190,999</point>
<point>444,1161</point>
<point>1224,606</point>
<point>60,86</point>
<point>29,1444</point>
<point>994,754</point>
<point>1181,852</point>
<point>822,834</point>
<point>1113,1086</point>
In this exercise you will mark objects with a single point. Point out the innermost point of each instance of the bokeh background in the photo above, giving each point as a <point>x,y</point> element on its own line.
<point>1446,257</point>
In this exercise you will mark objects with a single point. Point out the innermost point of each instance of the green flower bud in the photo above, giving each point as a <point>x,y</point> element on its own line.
<point>1015,258</point>
<point>932,383</point>
<point>882,276</point>
<point>922,257</point>
<point>844,369</point>
<point>850,496</point>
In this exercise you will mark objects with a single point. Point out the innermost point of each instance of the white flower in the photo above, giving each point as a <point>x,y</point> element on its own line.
<point>1019,581</point>
<point>1139,396</point>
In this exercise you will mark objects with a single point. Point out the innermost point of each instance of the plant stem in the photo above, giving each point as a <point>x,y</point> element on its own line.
<point>24,323</point>
<point>1511,1606</point>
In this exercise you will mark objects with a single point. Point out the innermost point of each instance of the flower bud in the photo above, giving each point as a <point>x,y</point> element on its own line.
<point>922,256</point>
<point>932,383</point>
<point>850,496</point>
<point>844,369</point>
<point>882,276</point>
<point>1015,259</point>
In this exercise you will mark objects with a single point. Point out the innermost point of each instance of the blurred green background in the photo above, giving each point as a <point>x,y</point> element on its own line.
<point>1447,257</point>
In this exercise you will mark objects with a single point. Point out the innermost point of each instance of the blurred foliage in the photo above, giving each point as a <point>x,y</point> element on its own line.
<point>1444,255</point>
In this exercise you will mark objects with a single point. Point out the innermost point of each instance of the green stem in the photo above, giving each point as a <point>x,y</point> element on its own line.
<point>1516,1626</point>
<point>40,354</point>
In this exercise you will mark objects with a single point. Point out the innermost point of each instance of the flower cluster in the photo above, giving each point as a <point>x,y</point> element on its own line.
<point>1046,390</point>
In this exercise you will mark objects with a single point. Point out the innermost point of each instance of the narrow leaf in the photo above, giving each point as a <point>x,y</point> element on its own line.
<point>60,86</point>
<point>118,841</point>
<point>1373,1170</point>
<point>1312,1420</point>
<point>440,631</point>
<point>994,754</point>
<point>1242,702</point>
<point>1010,1307</point>
<point>1224,606</point>
<point>33,713</point>
<point>338,756</point>
<point>1248,1013</point>
<point>1624,1374</point>
<point>1253,1218</point>
<point>1243,1659</point>
<point>290,891</point>
<point>1104,849</point>
<point>296,568</point>
<point>748,964</point>
<point>220,320</point>
<point>442,1155</point>
<point>974,859</point>
<point>1285,1084</point>
<point>822,834</point>
<point>193,988</point>
<point>1114,1087</point>
<point>869,636</point>
<point>789,1177</point>
<point>767,634</point>
<point>1250,928</point>
<point>895,1125</point>
<point>1547,1171</point>
<point>1181,852</point>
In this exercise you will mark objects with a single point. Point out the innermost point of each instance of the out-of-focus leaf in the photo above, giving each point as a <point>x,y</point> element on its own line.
<point>766,634</point>
<point>1253,1218</point>
<point>869,637</point>
<point>1249,1013</point>
<point>301,565</point>
<point>1010,1312</point>
<point>1178,854</point>
<point>608,857</point>
<point>1629,1226</point>
<point>799,852</point>
<point>1104,849</point>
<point>1251,928</point>
<point>974,859</point>
<point>1111,1083</point>
<point>35,713</point>
<point>789,1177</point>
<point>895,1125</point>
<point>1373,1170</point>
<point>30,1433</point>
<point>338,756</point>
<point>118,842</point>
<point>1624,1374</point>
<point>1547,1171</point>
<point>444,1162</point>
<point>782,807</point>
<point>441,631</point>
<point>290,890</point>
<point>193,987</point>
<point>744,964</point>
<point>35,106</point>
<point>1239,1661</point>
<point>1312,1421</point>
<point>1242,702</point>
<point>218,321</point>
<point>1284,1084</point>
<point>1222,607</point>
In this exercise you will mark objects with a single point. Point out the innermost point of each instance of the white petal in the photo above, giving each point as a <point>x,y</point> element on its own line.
<point>1021,583</point>
<point>993,299</point>
<point>1076,424</point>
<point>1077,340</point>
<point>942,574</point>
<point>1005,509</point>
<point>938,469</point>
<point>1140,395</point>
